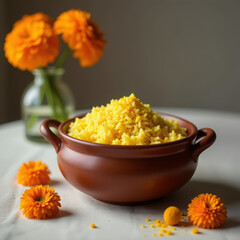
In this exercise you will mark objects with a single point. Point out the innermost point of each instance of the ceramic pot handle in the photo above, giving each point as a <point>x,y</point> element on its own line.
<point>49,135</point>
<point>207,137</point>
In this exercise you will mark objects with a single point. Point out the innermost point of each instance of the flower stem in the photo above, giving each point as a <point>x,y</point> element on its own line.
<point>63,57</point>
<point>53,97</point>
<point>60,110</point>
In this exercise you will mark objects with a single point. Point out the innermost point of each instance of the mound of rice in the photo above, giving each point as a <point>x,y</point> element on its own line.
<point>126,121</point>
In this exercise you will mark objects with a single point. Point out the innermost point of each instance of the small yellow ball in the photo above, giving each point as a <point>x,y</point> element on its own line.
<point>172,215</point>
<point>195,231</point>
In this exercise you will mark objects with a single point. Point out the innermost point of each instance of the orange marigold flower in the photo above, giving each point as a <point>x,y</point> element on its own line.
<point>207,211</point>
<point>33,173</point>
<point>40,202</point>
<point>82,35</point>
<point>32,42</point>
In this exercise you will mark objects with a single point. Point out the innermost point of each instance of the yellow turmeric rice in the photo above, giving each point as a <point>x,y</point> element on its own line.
<point>126,121</point>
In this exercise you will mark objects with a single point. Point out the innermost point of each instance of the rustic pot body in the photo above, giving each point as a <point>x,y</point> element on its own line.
<point>128,174</point>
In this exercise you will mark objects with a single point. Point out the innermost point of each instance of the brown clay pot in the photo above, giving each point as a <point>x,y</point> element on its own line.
<point>127,174</point>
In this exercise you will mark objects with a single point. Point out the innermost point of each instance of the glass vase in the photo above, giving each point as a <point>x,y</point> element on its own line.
<point>48,96</point>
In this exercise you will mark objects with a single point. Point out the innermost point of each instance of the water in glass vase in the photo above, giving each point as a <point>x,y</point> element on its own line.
<point>33,118</point>
<point>46,97</point>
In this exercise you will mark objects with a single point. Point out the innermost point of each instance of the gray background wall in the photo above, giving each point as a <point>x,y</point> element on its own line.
<point>170,53</point>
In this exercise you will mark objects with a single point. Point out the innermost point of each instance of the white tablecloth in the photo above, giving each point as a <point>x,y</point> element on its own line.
<point>218,172</point>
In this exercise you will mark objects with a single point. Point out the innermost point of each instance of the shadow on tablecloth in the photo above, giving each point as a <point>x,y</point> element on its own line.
<point>230,195</point>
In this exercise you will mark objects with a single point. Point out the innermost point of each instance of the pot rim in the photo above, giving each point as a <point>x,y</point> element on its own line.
<point>189,125</point>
